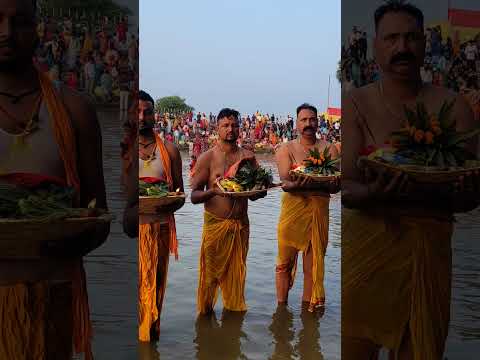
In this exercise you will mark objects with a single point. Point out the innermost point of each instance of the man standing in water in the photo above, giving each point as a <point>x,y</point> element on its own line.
<point>54,132</point>
<point>157,233</point>
<point>304,214</point>
<point>226,226</point>
<point>396,235</point>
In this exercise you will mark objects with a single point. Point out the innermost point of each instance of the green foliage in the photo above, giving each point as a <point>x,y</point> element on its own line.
<point>429,140</point>
<point>172,104</point>
<point>148,189</point>
<point>104,7</point>
<point>321,163</point>
<point>253,178</point>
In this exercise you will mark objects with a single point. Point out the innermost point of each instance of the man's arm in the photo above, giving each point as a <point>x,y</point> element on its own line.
<point>89,162</point>
<point>354,192</point>
<point>463,113</point>
<point>130,215</point>
<point>200,180</point>
<point>177,178</point>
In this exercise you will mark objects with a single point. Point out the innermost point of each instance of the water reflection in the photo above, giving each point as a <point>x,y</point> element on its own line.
<point>308,346</point>
<point>283,333</point>
<point>147,351</point>
<point>222,340</point>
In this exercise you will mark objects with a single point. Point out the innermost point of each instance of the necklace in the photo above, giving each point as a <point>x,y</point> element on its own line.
<point>16,98</point>
<point>147,159</point>
<point>387,105</point>
<point>30,127</point>
<point>305,148</point>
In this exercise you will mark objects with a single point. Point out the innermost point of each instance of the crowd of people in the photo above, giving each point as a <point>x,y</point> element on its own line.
<point>258,132</point>
<point>450,63</point>
<point>97,56</point>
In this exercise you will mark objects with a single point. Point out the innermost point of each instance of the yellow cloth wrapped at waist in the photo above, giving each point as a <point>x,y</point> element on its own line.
<point>396,276</point>
<point>36,321</point>
<point>303,223</point>
<point>150,289</point>
<point>223,263</point>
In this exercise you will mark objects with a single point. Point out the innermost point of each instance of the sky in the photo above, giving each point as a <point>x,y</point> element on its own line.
<point>266,55</point>
<point>360,13</point>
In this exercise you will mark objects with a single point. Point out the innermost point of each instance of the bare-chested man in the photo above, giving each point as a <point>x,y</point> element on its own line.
<point>304,215</point>
<point>226,225</point>
<point>157,233</point>
<point>396,235</point>
<point>45,131</point>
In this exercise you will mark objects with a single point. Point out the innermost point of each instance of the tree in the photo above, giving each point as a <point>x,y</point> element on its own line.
<point>172,104</point>
<point>103,7</point>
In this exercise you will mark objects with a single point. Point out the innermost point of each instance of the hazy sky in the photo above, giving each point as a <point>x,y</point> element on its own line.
<point>266,55</point>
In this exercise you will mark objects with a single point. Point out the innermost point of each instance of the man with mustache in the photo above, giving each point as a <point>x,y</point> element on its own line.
<point>396,235</point>
<point>304,214</point>
<point>45,131</point>
<point>157,237</point>
<point>226,226</point>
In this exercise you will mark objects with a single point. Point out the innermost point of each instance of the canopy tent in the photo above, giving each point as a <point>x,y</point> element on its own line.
<point>333,114</point>
<point>462,25</point>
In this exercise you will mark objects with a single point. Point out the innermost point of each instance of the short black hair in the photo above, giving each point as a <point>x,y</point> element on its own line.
<point>226,113</point>
<point>396,6</point>
<point>306,106</point>
<point>144,96</point>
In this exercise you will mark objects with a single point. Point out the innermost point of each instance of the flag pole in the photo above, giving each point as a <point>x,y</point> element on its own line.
<point>328,96</point>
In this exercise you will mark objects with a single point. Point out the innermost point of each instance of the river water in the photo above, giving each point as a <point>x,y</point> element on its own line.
<point>263,332</point>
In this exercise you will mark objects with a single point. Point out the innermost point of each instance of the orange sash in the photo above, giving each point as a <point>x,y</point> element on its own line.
<point>65,136</point>
<point>167,168</point>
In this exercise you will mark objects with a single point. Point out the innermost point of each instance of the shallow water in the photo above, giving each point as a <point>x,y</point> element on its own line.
<point>263,332</point>
<point>112,268</point>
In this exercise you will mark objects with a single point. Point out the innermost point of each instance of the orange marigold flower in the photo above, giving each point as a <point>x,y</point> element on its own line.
<point>419,135</point>
<point>437,130</point>
<point>429,137</point>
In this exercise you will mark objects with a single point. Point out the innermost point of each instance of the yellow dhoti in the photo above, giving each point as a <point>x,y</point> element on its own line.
<point>153,255</point>
<point>223,263</point>
<point>396,277</point>
<point>303,226</point>
<point>36,321</point>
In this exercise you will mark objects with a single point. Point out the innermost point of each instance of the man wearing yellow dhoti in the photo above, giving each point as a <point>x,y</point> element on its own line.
<point>304,215</point>
<point>54,132</point>
<point>396,235</point>
<point>226,227</point>
<point>157,237</point>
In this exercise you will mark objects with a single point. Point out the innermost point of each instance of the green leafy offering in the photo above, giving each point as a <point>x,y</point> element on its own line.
<point>318,163</point>
<point>432,140</point>
<point>47,203</point>
<point>250,177</point>
<point>149,189</point>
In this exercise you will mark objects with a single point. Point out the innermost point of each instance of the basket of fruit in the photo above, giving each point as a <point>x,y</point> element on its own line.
<point>36,209</point>
<point>429,148</point>
<point>154,195</point>
<point>318,166</point>
<point>246,178</point>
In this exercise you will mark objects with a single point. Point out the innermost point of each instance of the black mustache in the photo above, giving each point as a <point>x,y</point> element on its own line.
<point>308,128</point>
<point>405,56</point>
